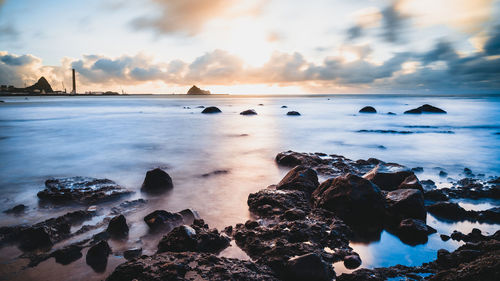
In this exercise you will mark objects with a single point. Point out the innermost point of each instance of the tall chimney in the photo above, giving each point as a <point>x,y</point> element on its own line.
<point>74,83</point>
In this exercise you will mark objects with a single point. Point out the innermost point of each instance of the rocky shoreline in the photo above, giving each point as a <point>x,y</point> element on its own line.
<point>300,227</point>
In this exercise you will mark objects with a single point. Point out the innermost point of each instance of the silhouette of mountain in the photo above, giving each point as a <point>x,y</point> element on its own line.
<point>41,85</point>
<point>197,91</point>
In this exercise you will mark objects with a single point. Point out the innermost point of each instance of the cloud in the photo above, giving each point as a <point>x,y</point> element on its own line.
<point>393,23</point>
<point>492,45</point>
<point>189,16</point>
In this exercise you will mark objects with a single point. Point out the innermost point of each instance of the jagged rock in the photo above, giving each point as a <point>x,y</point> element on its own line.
<point>157,181</point>
<point>299,178</point>
<point>426,108</point>
<point>161,219</point>
<point>118,227</point>
<point>197,91</point>
<point>368,109</point>
<point>270,202</point>
<point>211,109</point>
<point>352,198</point>
<point>308,267</point>
<point>393,176</point>
<point>97,256</point>
<point>293,113</point>
<point>132,253</point>
<point>81,190</point>
<point>405,203</point>
<point>248,112</point>
<point>190,266</point>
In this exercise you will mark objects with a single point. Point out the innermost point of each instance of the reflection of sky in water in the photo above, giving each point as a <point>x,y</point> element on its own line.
<point>121,138</point>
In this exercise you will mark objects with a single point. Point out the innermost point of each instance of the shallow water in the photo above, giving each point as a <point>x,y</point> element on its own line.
<point>120,138</point>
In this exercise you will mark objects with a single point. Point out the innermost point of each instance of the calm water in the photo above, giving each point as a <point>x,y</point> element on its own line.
<point>120,138</point>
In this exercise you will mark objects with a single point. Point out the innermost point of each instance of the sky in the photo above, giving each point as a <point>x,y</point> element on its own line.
<point>253,46</point>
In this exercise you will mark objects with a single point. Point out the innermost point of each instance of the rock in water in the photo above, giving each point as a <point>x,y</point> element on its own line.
<point>426,108</point>
<point>161,219</point>
<point>118,227</point>
<point>34,238</point>
<point>157,181</point>
<point>368,109</point>
<point>392,176</point>
<point>299,178</point>
<point>97,256</point>
<point>352,261</point>
<point>412,231</point>
<point>351,197</point>
<point>132,253</point>
<point>68,254</point>
<point>309,267</point>
<point>18,209</point>
<point>197,91</point>
<point>293,113</point>
<point>211,109</point>
<point>248,112</point>
<point>405,203</point>
<point>81,190</point>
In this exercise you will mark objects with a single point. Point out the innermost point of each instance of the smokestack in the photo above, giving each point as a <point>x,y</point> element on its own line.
<point>74,83</point>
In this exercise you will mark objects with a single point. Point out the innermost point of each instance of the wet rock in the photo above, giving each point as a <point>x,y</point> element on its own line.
<point>68,254</point>
<point>308,267</point>
<point>435,195</point>
<point>413,231</point>
<point>299,178</point>
<point>248,112</point>
<point>426,108</point>
<point>352,198</point>
<point>18,209</point>
<point>417,169</point>
<point>128,207</point>
<point>189,215</point>
<point>352,261</point>
<point>132,253</point>
<point>157,181</point>
<point>393,176</point>
<point>190,266</point>
<point>118,227</point>
<point>215,173</point>
<point>405,203</point>
<point>284,106</point>
<point>161,219</point>
<point>294,214</point>
<point>368,109</point>
<point>468,172</point>
<point>34,238</point>
<point>180,239</point>
<point>447,210</point>
<point>293,113</point>
<point>444,237</point>
<point>443,174</point>
<point>211,109</point>
<point>269,202</point>
<point>292,159</point>
<point>81,190</point>
<point>97,256</point>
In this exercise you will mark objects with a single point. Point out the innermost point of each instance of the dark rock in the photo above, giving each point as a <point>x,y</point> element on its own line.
<point>211,109</point>
<point>435,195</point>
<point>41,85</point>
<point>351,197</point>
<point>81,190</point>
<point>308,267</point>
<point>293,113</point>
<point>405,203</point>
<point>444,237</point>
<point>68,254</point>
<point>352,261</point>
<point>269,202</point>
<point>248,112</point>
<point>284,106</point>
<point>294,214</point>
<point>118,227</point>
<point>161,219</point>
<point>157,181</point>
<point>393,176</point>
<point>292,159</point>
<point>190,266</point>
<point>391,113</point>
<point>132,253</point>
<point>97,256</point>
<point>299,178</point>
<point>34,238</point>
<point>417,169</point>
<point>412,231</point>
<point>368,109</point>
<point>261,104</point>
<point>18,209</point>
<point>443,174</point>
<point>447,210</point>
<point>197,91</point>
<point>215,173</point>
<point>426,108</point>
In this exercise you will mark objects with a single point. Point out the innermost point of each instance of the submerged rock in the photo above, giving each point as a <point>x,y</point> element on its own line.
<point>368,109</point>
<point>157,181</point>
<point>248,112</point>
<point>293,113</point>
<point>426,108</point>
<point>81,190</point>
<point>18,209</point>
<point>308,267</point>
<point>161,219</point>
<point>190,266</point>
<point>211,109</point>
<point>352,198</point>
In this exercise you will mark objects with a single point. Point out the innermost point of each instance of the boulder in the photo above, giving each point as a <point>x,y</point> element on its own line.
<point>118,227</point>
<point>157,181</point>
<point>309,267</point>
<point>368,109</point>
<point>270,202</point>
<point>294,214</point>
<point>435,195</point>
<point>426,108</point>
<point>392,176</point>
<point>352,261</point>
<point>299,178</point>
<point>161,219</point>
<point>292,159</point>
<point>34,238</point>
<point>97,256</point>
<point>284,106</point>
<point>83,190</point>
<point>248,112</point>
<point>447,210</point>
<point>68,254</point>
<point>293,113</point>
<point>413,231</point>
<point>351,197</point>
<point>18,209</point>
<point>405,203</point>
<point>211,109</point>
<point>132,253</point>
